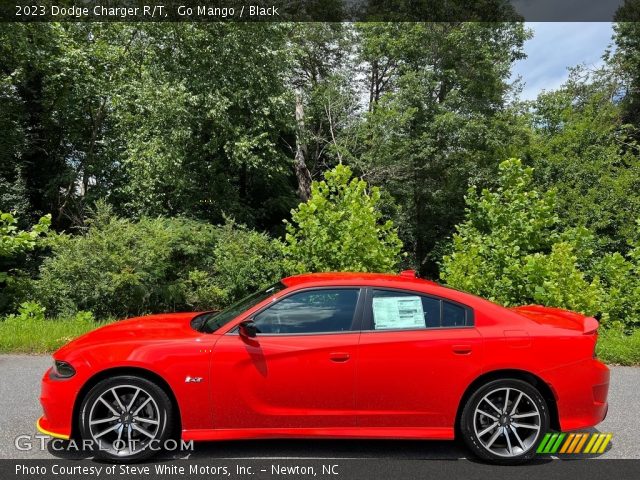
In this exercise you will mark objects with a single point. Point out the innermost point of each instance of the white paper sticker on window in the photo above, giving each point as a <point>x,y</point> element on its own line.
<point>398,312</point>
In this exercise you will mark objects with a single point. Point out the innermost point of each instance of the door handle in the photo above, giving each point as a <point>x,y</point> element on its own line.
<point>462,349</point>
<point>339,356</point>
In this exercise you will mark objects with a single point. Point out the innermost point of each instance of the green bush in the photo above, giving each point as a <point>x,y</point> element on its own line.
<point>14,244</point>
<point>510,249</point>
<point>119,268</point>
<point>241,262</point>
<point>620,278</point>
<point>14,241</point>
<point>340,228</point>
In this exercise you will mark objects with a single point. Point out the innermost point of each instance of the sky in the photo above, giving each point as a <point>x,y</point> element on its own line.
<point>555,47</point>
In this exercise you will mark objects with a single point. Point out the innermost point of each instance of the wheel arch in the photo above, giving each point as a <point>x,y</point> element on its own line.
<point>126,370</point>
<point>530,378</point>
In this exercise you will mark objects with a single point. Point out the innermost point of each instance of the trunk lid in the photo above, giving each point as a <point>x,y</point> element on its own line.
<point>558,318</point>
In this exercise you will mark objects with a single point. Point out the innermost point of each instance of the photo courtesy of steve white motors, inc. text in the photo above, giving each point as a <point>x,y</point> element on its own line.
<point>164,469</point>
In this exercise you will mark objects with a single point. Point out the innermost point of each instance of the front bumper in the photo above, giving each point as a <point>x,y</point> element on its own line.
<point>57,398</point>
<point>43,427</point>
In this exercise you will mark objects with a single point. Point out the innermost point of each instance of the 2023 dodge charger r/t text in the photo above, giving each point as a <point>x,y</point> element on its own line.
<point>332,355</point>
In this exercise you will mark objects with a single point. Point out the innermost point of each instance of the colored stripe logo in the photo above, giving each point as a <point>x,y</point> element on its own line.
<point>574,443</point>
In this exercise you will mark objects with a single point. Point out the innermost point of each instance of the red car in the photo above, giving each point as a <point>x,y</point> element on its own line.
<point>335,355</point>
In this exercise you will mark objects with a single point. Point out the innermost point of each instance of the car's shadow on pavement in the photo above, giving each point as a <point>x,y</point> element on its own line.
<point>295,449</point>
<point>402,449</point>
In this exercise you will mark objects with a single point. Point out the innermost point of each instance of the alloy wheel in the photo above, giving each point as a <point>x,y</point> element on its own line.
<point>507,422</point>
<point>124,420</point>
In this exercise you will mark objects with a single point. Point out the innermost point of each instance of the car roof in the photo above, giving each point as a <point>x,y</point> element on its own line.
<point>404,280</point>
<point>332,278</point>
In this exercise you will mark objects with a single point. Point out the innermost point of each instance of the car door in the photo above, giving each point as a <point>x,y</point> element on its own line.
<point>299,370</point>
<point>417,354</point>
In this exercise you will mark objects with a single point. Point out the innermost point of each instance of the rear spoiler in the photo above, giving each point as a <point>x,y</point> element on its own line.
<point>589,325</point>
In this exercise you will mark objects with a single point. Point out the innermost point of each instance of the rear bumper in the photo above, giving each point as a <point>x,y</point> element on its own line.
<point>581,392</point>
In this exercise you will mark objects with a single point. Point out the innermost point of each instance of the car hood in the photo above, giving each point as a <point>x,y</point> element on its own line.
<point>558,318</point>
<point>152,327</point>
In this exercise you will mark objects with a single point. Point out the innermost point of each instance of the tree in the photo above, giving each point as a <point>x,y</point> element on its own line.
<point>59,81</point>
<point>626,59</point>
<point>325,99</point>
<point>341,228</point>
<point>204,121</point>
<point>180,119</point>
<point>437,119</point>
<point>511,250</point>
<point>581,148</point>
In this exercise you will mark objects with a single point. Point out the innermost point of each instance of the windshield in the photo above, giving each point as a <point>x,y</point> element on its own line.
<point>212,321</point>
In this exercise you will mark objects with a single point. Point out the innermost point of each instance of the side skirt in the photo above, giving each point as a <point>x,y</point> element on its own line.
<point>440,433</point>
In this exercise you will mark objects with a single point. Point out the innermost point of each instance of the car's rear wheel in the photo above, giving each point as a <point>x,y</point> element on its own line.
<point>504,420</point>
<point>126,418</point>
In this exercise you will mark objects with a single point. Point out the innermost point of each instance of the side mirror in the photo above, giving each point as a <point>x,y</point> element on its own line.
<point>248,329</point>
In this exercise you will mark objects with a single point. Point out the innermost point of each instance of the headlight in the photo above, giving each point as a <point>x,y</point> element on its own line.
<point>63,369</point>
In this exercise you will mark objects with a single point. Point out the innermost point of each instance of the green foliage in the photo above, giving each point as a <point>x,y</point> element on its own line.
<point>241,262</point>
<point>437,120</point>
<point>341,228</point>
<point>14,241</point>
<point>29,331</point>
<point>197,122</point>
<point>626,60</point>
<point>582,150</point>
<point>120,268</point>
<point>201,126</point>
<point>510,249</point>
<point>618,346</point>
<point>187,120</point>
<point>620,277</point>
<point>28,311</point>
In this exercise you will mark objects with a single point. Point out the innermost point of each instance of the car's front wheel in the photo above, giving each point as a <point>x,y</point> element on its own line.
<point>504,420</point>
<point>126,418</point>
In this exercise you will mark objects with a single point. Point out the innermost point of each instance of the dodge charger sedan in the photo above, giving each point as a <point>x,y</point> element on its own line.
<point>333,355</point>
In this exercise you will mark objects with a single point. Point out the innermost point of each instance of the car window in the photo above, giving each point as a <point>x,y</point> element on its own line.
<point>212,321</point>
<point>393,310</point>
<point>311,311</point>
<point>453,315</point>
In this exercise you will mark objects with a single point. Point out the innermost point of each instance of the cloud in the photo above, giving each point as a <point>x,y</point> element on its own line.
<point>557,46</point>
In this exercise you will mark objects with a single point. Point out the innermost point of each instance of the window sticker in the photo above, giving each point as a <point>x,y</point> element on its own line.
<point>397,312</point>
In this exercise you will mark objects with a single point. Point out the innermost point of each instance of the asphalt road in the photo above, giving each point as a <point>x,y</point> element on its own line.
<point>19,408</point>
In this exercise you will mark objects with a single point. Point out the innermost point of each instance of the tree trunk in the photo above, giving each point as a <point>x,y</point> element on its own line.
<point>302,172</point>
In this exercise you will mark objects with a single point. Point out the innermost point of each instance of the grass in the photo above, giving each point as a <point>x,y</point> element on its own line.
<point>39,335</point>
<point>616,347</point>
<point>32,333</point>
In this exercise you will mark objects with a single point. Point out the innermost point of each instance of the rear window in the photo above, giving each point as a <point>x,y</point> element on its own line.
<point>396,310</point>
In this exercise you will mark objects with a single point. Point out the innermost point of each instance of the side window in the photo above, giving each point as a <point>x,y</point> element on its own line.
<point>399,310</point>
<point>393,310</point>
<point>453,315</point>
<point>312,311</point>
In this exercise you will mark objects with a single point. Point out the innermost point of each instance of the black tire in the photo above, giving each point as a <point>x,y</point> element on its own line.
<point>507,447</point>
<point>147,403</point>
